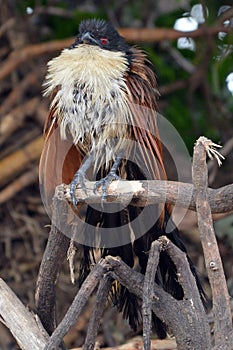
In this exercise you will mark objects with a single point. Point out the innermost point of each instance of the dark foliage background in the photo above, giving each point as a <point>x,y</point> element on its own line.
<point>194,98</point>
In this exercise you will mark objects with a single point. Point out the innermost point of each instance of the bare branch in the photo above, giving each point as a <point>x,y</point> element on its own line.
<point>77,306</point>
<point>45,297</point>
<point>185,324</point>
<point>140,193</point>
<point>149,279</point>
<point>20,321</point>
<point>221,304</point>
<point>161,34</point>
<point>99,307</point>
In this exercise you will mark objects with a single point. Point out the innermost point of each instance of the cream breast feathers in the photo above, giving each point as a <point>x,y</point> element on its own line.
<point>92,97</point>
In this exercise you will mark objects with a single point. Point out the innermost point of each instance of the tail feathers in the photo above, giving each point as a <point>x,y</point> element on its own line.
<point>85,264</point>
<point>126,302</point>
<point>166,275</point>
<point>159,327</point>
<point>129,305</point>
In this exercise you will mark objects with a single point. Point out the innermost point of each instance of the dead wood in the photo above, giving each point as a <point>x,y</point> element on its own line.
<point>20,321</point>
<point>102,295</point>
<point>221,299</point>
<point>45,297</point>
<point>184,319</point>
<point>20,86</point>
<point>78,304</point>
<point>137,344</point>
<point>140,193</point>
<point>151,269</point>
<point>191,320</point>
<point>185,324</point>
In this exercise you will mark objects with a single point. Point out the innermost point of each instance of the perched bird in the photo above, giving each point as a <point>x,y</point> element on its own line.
<point>104,101</point>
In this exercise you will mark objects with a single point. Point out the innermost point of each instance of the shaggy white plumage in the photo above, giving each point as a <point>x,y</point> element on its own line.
<point>92,99</point>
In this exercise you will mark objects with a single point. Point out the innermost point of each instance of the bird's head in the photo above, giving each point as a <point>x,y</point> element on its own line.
<point>100,33</point>
<point>98,57</point>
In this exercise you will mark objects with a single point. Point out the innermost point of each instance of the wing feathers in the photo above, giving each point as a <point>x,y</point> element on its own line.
<point>142,85</point>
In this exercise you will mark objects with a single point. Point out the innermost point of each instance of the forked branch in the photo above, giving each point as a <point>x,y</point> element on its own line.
<point>194,335</point>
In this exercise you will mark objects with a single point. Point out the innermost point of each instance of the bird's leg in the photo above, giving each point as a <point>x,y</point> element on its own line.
<point>112,175</point>
<point>80,178</point>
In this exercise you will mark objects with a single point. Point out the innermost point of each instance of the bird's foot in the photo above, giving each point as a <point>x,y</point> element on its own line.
<point>79,179</point>
<point>105,182</point>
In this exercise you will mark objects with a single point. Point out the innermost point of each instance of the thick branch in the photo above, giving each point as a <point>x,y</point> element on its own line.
<point>53,258</point>
<point>140,193</point>
<point>185,324</point>
<point>20,321</point>
<point>221,305</point>
<point>184,318</point>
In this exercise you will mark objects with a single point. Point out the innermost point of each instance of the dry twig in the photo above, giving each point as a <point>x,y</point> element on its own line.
<point>102,295</point>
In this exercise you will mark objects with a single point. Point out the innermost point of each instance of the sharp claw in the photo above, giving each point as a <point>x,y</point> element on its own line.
<point>72,194</point>
<point>104,183</point>
<point>79,178</point>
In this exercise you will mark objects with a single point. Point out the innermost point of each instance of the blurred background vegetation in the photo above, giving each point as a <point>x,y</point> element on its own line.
<point>195,79</point>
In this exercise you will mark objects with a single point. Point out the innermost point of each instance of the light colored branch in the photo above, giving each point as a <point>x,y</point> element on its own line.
<point>140,193</point>
<point>221,299</point>
<point>20,321</point>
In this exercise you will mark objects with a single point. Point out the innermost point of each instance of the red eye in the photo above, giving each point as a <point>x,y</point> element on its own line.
<point>104,41</point>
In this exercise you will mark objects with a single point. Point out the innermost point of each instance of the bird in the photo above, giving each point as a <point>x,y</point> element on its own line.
<point>102,125</point>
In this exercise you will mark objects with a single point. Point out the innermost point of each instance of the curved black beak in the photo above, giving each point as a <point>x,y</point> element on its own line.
<point>87,38</point>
